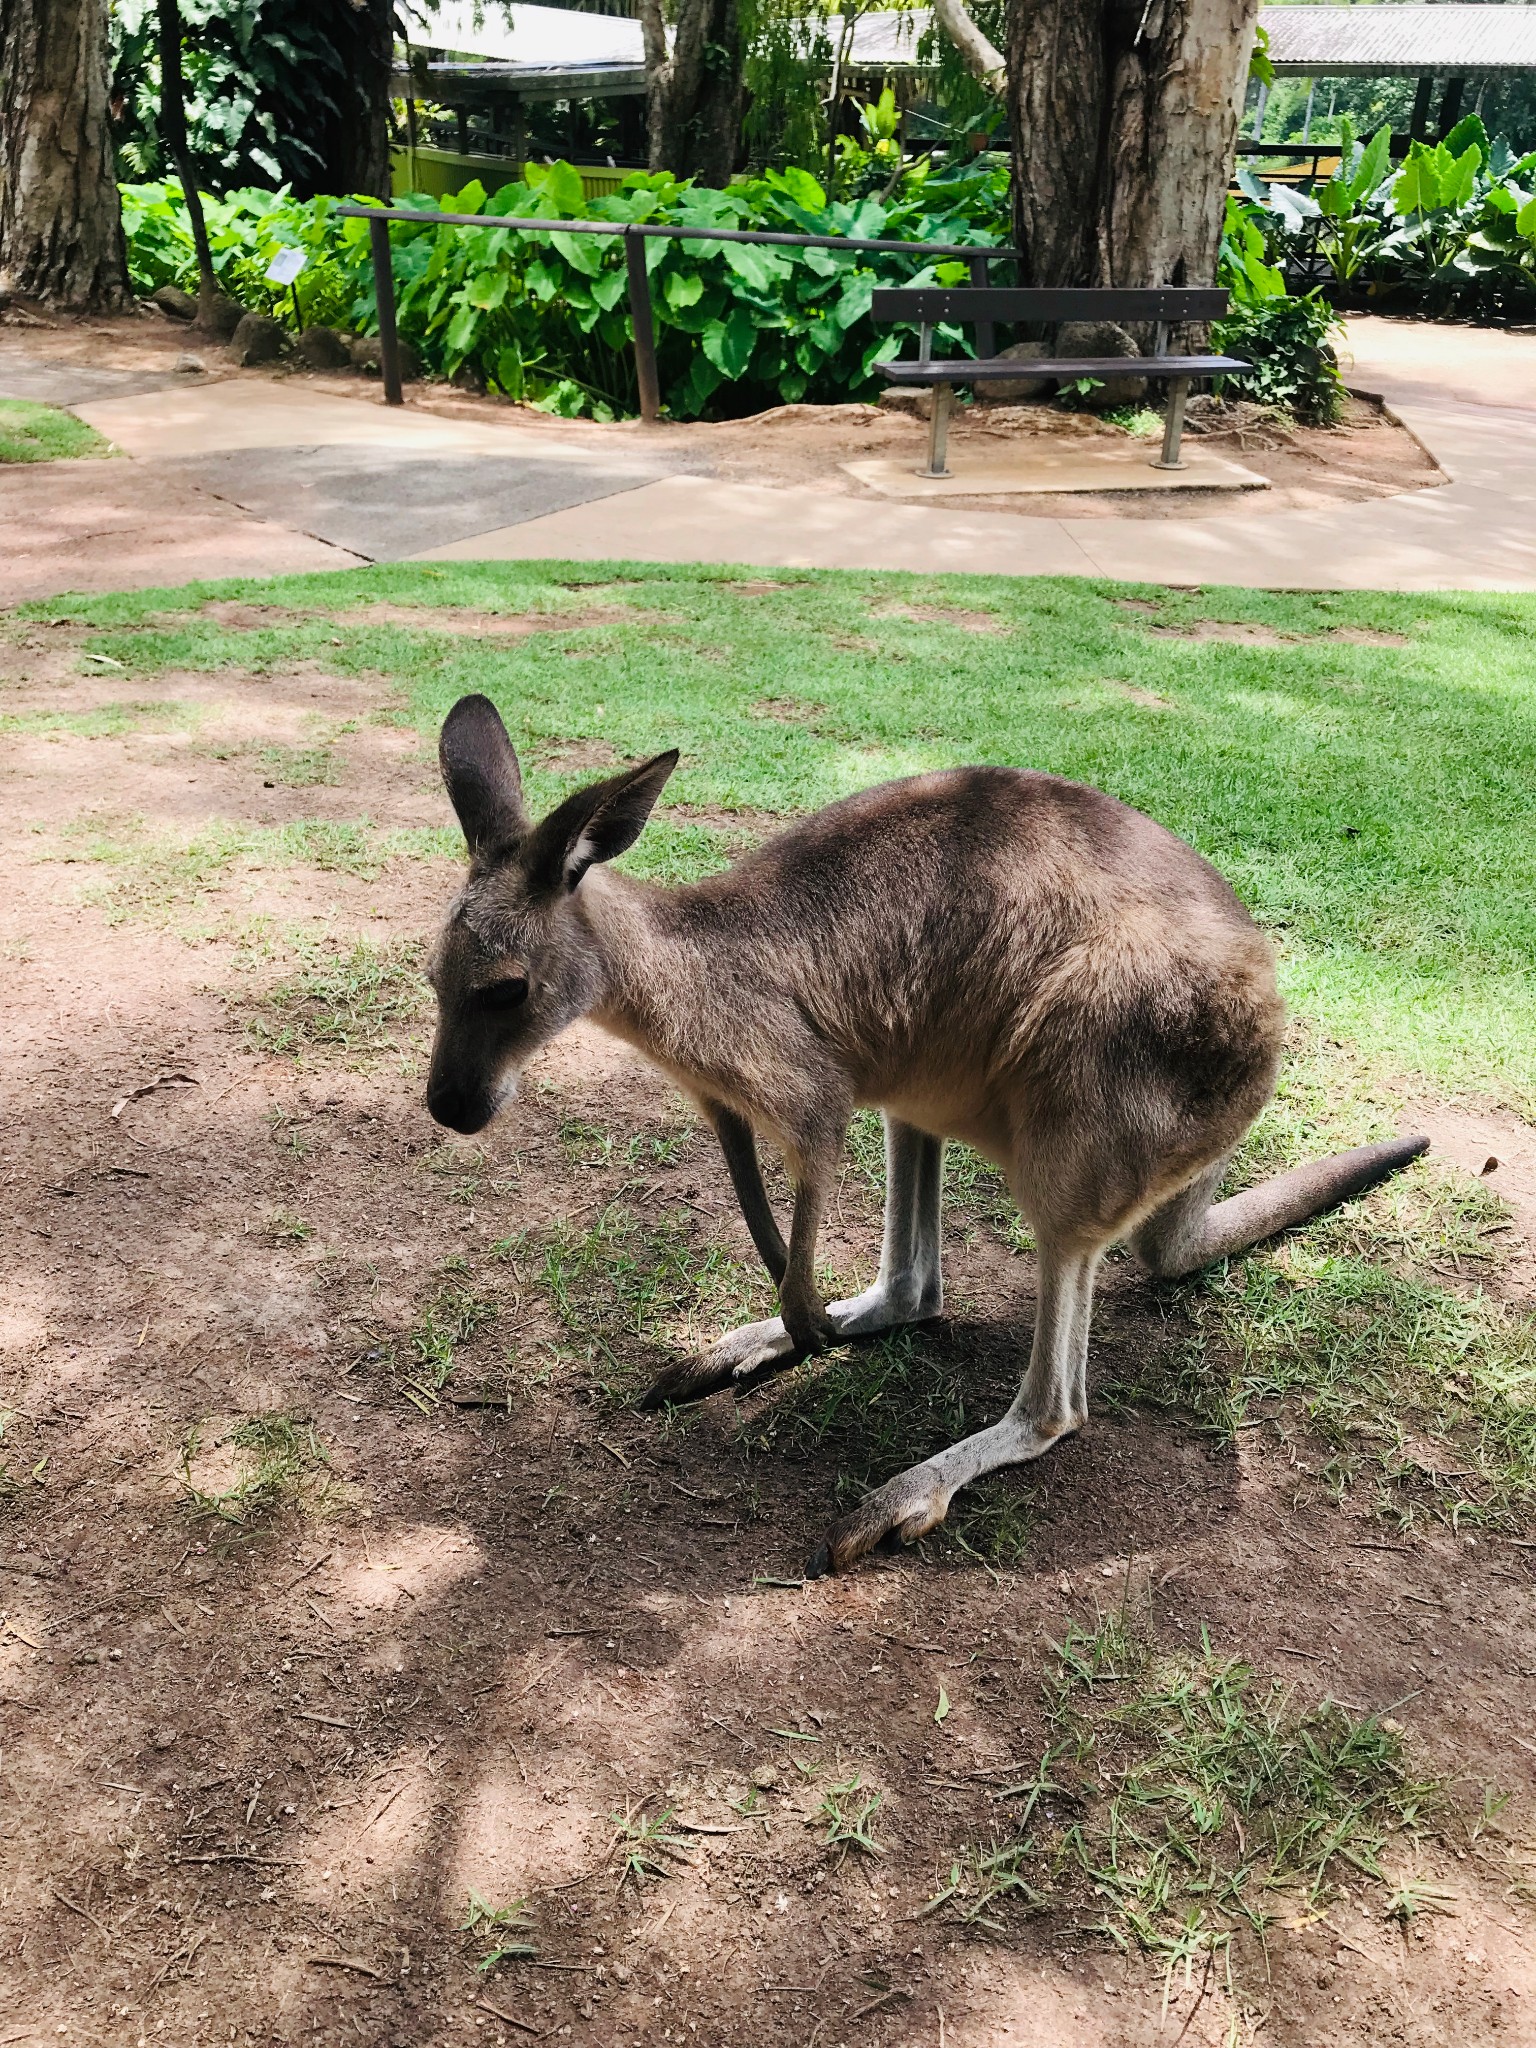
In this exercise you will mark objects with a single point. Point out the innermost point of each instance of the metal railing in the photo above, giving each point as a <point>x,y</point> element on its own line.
<point>635,234</point>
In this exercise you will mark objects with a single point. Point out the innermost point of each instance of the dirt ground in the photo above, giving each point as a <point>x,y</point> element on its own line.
<point>257,1766</point>
<point>1368,455</point>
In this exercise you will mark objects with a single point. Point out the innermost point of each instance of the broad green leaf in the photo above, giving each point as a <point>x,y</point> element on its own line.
<point>488,289</point>
<point>1375,162</point>
<point>684,288</point>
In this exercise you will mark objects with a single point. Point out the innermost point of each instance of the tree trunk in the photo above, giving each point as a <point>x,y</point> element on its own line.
<point>173,131</point>
<point>61,227</point>
<point>1124,116</point>
<point>693,94</point>
<point>355,144</point>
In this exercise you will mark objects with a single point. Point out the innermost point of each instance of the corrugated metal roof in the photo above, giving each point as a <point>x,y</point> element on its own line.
<point>1322,42</point>
<point>1377,41</point>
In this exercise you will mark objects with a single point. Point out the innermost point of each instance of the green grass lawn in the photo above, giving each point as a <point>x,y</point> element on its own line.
<point>1366,775</point>
<point>43,433</point>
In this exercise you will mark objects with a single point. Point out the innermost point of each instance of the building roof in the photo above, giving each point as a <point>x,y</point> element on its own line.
<point>1379,41</point>
<point>559,52</point>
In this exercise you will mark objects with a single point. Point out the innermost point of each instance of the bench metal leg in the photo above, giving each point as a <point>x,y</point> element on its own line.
<point>1173,431</point>
<point>938,432</point>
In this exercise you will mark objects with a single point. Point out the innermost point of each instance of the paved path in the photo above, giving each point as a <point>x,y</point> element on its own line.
<point>247,477</point>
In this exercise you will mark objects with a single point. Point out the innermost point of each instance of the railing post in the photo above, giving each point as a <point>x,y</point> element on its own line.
<point>986,333</point>
<point>384,297</point>
<point>644,325</point>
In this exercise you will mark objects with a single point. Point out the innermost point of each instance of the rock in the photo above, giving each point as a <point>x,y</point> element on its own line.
<point>322,348</point>
<point>174,303</point>
<point>1010,390</point>
<point>188,365</point>
<point>1102,338</point>
<point>220,317</point>
<point>917,404</point>
<point>367,357</point>
<point>256,340</point>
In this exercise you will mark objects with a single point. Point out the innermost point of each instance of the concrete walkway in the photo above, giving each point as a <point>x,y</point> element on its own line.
<point>242,476</point>
<point>1467,395</point>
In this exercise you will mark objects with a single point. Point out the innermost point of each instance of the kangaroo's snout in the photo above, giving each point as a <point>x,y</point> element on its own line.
<point>466,1110</point>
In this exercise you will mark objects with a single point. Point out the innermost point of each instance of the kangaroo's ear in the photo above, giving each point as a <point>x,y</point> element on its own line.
<point>485,784</point>
<point>595,823</point>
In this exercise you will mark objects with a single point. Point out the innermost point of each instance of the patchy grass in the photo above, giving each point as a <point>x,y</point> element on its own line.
<point>847,1810</point>
<point>1186,1798</point>
<point>103,721</point>
<point>497,1930</point>
<point>1359,795</point>
<point>1370,1338</point>
<point>644,1847</point>
<point>261,1463</point>
<point>45,433</point>
<point>628,1284</point>
<point>354,1004</point>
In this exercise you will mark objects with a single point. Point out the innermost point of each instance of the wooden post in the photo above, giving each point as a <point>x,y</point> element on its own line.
<point>384,295</point>
<point>644,325</point>
<point>986,334</point>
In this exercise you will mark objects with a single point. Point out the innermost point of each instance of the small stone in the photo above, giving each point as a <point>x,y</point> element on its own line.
<point>163,1738</point>
<point>322,348</point>
<point>765,1777</point>
<point>256,340</point>
<point>188,365</point>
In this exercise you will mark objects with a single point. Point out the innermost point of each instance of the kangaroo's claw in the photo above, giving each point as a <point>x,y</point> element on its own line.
<point>896,1514</point>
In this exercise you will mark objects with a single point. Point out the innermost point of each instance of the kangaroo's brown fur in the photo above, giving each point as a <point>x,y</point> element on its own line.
<point>985,954</point>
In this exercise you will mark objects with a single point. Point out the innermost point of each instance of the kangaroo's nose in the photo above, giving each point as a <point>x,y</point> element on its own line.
<point>459,1112</point>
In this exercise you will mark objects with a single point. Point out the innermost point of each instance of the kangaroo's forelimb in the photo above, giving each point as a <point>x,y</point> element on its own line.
<point>740,1148</point>
<point>908,1288</point>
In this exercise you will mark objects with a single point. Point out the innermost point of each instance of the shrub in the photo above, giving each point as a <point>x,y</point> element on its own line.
<point>1287,341</point>
<point>545,317</point>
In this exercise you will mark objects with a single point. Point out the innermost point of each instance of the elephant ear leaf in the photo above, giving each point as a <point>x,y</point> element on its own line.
<point>1375,161</point>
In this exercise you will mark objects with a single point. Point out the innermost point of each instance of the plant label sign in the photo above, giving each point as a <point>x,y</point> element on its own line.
<point>286,265</point>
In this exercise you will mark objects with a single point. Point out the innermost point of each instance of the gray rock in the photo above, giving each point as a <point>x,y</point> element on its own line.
<point>322,348</point>
<point>1102,338</point>
<point>187,365</point>
<point>256,340</point>
<point>367,357</point>
<point>174,303</point>
<point>1011,390</point>
<point>914,401</point>
<point>220,317</point>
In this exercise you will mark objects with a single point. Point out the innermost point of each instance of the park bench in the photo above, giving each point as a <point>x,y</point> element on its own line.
<point>928,306</point>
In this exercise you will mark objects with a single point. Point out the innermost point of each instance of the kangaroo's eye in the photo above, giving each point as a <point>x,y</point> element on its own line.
<point>505,995</point>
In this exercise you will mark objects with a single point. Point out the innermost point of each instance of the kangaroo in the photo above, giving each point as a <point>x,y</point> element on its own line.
<point>986,954</point>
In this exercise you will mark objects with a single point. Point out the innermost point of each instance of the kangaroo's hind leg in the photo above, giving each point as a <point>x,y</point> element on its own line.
<point>1050,1403</point>
<point>908,1288</point>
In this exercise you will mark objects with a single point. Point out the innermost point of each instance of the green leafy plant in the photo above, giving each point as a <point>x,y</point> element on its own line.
<point>498,1929</point>
<point>1287,339</point>
<point>545,317</point>
<point>848,1809</point>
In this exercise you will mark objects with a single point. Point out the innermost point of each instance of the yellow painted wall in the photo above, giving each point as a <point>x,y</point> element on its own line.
<point>440,171</point>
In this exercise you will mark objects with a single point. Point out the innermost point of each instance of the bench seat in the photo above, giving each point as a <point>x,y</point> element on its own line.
<point>999,369</point>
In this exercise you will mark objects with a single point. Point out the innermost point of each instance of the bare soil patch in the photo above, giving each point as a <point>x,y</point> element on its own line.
<point>942,615</point>
<point>306,1647</point>
<point>475,625</point>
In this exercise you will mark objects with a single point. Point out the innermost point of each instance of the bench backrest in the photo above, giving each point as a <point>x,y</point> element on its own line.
<point>960,305</point>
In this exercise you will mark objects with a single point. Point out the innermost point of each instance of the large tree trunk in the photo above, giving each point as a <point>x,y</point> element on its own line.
<point>1124,116</point>
<point>355,142</point>
<point>693,94</point>
<point>61,227</point>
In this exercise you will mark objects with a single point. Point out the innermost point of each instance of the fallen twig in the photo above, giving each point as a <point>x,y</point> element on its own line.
<point>506,2018</point>
<point>347,1963</point>
<point>161,1080</point>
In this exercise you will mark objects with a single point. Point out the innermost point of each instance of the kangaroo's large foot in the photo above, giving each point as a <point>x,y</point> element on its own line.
<point>918,1499</point>
<point>753,1353</point>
